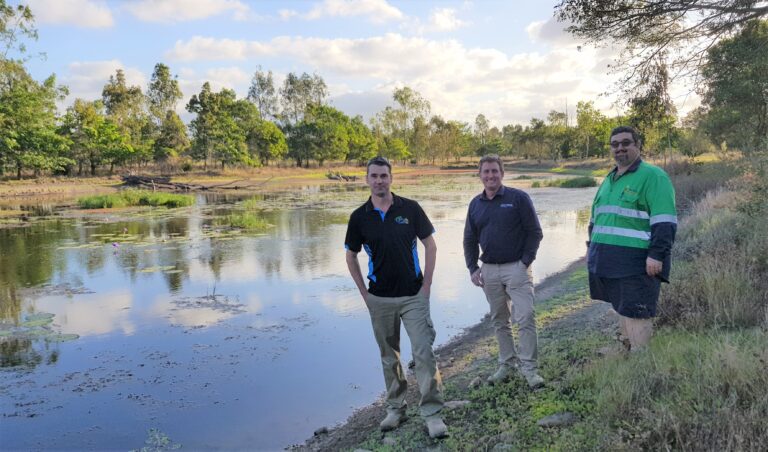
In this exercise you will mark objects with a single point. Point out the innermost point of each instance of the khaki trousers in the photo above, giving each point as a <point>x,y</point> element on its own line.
<point>386,315</point>
<point>509,291</point>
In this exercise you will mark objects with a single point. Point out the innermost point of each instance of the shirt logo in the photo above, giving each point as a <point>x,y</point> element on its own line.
<point>401,220</point>
<point>508,205</point>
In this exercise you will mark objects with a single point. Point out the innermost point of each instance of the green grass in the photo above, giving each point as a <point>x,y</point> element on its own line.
<point>129,198</point>
<point>573,182</point>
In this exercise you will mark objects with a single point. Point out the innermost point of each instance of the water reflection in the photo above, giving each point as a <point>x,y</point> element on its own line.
<point>210,336</point>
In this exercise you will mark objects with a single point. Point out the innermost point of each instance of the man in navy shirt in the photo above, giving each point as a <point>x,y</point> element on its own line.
<point>387,226</point>
<point>503,222</point>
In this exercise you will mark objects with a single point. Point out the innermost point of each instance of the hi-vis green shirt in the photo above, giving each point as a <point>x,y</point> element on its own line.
<point>633,217</point>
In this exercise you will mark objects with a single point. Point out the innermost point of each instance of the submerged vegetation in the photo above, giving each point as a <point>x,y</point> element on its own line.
<point>129,198</point>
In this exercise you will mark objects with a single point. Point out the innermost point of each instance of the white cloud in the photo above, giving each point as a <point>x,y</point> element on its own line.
<point>86,79</point>
<point>170,11</point>
<point>80,13</point>
<point>287,14</point>
<point>377,11</point>
<point>459,81</point>
<point>444,19</point>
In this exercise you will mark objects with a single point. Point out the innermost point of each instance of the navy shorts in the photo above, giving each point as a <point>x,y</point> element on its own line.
<point>633,296</point>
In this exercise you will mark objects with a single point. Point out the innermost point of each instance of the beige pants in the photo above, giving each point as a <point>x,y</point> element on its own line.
<point>386,315</point>
<point>509,290</point>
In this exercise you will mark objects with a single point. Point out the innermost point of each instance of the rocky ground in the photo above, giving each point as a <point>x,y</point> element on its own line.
<point>465,362</point>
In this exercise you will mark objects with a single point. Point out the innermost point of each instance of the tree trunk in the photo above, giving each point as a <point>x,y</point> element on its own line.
<point>18,170</point>
<point>93,169</point>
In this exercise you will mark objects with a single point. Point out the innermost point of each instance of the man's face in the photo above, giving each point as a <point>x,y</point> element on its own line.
<point>491,175</point>
<point>379,179</point>
<point>625,149</point>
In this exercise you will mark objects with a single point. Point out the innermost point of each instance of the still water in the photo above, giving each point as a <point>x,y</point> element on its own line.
<point>156,325</point>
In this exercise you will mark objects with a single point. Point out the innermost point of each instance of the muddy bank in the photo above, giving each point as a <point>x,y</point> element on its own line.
<point>463,360</point>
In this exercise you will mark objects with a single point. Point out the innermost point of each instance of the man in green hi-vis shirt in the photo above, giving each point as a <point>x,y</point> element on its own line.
<point>631,232</point>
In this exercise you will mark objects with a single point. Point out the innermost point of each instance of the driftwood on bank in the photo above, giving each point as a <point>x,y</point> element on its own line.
<point>340,177</point>
<point>165,184</point>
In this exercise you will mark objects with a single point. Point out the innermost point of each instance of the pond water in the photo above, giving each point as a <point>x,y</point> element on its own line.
<point>154,325</point>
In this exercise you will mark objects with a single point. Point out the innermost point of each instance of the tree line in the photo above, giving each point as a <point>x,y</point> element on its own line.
<point>296,123</point>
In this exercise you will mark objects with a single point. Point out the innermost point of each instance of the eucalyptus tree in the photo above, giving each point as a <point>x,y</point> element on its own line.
<point>126,106</point>
<point>163,93</point>
<point>298,93</point>
<point>263,94</point>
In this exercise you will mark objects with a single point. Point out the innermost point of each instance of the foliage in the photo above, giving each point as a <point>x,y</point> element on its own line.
<point>127,198</point>
<point>16,23</point>
<point>28,121</point>
<point>736,91</point>
<point>681,30</point>
<point>262,93</point>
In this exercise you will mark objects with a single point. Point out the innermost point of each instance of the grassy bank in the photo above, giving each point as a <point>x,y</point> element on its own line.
<point>701,383</point>
<point>572,182</point>
<point>129,198</point>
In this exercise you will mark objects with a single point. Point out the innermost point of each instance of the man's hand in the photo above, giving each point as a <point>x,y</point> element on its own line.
<point>477,278</point>
<point>652,266</point>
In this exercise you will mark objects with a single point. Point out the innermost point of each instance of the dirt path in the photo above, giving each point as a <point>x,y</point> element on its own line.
<point>461,358</point>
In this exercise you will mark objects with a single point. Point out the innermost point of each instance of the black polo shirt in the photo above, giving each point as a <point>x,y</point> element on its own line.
<point>390,241</point>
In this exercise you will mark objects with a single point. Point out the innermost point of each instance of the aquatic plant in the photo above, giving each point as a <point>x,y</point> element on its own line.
<point>127,198</point>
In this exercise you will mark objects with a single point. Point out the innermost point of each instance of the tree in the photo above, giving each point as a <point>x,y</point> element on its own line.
<point>28,136</point>
<point>163,93</point>
<point>299,92</point>
<point>216,134</point>
<point>362,144</point>
<point>262,93</point>
<point>264,140</point>
<point>15,23</point>
<point>125,106</point>
<point>172,139</point>
<point>588,125</point>
<point>682,30</point>
<point>322,135</point>
<point>651,109</point>
<point>482,126</point>
<point>736,89</point>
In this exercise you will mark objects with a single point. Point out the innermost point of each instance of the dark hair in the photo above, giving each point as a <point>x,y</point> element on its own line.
<point>628,129</point>
<point>379,161</point>
<point>491,158</point>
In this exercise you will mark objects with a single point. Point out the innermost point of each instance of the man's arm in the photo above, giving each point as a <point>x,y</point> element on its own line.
<point>354,270</point>
<point>430,258</point>
<point>472,251</point>
<point>533,233</point>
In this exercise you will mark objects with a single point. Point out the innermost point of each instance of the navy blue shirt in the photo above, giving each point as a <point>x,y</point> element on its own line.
<point>390,242</point>
<point>506,228</point>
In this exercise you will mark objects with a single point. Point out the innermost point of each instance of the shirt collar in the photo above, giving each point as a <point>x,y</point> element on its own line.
<point>396,202</point>
<point>632,168</point>
<point>498,193</point>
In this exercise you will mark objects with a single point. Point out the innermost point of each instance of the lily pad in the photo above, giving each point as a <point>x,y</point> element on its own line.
<point>39,319</point>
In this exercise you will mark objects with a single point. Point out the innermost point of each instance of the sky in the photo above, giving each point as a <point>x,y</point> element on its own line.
<point>509,60</point>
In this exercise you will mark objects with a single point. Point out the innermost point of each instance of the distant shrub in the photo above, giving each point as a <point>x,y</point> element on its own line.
<point>535,184</point>
<point>579,182</point>
<point>127,198</point>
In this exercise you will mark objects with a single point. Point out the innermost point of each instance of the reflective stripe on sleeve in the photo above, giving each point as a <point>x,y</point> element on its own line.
<point>664,219</point>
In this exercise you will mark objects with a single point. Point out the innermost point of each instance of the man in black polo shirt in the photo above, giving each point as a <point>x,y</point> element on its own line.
<point>503,222</point>
<point>387,227</point>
